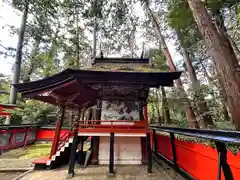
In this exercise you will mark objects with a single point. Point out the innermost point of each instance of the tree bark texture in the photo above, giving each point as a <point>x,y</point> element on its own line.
<point>166,112</point>
<point>223,55</point>
<point>223,97</point>
<point>18,61</point>
<point>202,107</point>
<point>33,61</point>
<point>189,111</point>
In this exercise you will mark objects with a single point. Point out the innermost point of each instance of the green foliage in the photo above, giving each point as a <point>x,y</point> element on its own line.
<point>31,112</point>
<point>158,59</point>
<point>179,15</point>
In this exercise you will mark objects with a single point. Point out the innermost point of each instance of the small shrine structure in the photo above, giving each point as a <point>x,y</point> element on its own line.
<point>114,92</point>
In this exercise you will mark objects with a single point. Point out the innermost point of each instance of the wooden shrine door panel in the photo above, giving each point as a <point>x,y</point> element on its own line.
<point>127,150</point>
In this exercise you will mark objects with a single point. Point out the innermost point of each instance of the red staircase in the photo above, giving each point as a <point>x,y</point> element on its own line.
<point>59,153</point>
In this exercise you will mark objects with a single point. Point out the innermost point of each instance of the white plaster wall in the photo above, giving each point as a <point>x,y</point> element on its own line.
<point>127,150</point>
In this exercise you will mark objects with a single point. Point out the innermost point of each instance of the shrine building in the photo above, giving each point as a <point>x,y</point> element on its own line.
<point>110,104</point>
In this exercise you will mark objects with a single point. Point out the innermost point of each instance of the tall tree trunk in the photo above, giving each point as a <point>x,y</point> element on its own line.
<point>223,55</point>
<point>223,100</point>
<point>206,118</point>
<point>159,118</point>
<point>166,114</point>
<point>78,41</point>
<point>192,122</point>
<point>220,86</point>
<point>18,61</point>
<point>235,48</point>
<point>94,38</point>
<point>222,30</point>
<point>33,55</point>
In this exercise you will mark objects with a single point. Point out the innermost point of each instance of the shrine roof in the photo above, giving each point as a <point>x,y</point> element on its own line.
<point>77,87</point>
<point>151,79</point>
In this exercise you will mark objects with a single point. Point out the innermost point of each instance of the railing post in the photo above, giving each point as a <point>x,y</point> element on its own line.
<point>222,161</point>
<point>149,152</point>
<point>26,137</point>
<point>172,140</point>
<point>154,140</point>
<point>12,138</point>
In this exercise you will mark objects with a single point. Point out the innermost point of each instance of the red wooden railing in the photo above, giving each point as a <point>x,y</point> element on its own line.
<point>16,136</point>
<point>21,135</point>
<point>112,124</point>
<point>196,159</point>
<point>98,126</point>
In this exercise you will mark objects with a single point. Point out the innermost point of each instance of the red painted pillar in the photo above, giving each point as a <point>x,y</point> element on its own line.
<point>96,139</point>
<point>57,132</point>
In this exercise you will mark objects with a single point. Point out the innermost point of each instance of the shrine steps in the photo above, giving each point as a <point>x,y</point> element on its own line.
<point>60,158</point>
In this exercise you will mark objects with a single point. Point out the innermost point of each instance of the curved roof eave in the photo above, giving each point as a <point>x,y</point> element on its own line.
<point>151,78</point>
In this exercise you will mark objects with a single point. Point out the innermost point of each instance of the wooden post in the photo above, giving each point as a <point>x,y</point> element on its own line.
<point>73,153</point>
<point>144,150</point>
<point>154,140</point>
<point>149,152</point>
<point>111,155</point>
<point>172,139</point>
<point>57,132</point>
<point>95,150</point>
<point>222,161</point>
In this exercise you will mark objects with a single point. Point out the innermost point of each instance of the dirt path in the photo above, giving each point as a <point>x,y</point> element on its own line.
<point>130,172</point>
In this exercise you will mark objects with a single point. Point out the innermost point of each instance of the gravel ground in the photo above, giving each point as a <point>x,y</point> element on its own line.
<point>130,172</point>
<point>9,176</point>
<point>15,163</point>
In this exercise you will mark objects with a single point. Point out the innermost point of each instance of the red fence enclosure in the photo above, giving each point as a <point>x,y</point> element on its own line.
<point>16,136</point>
<point>198,160</point>
<point>47,134</point>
